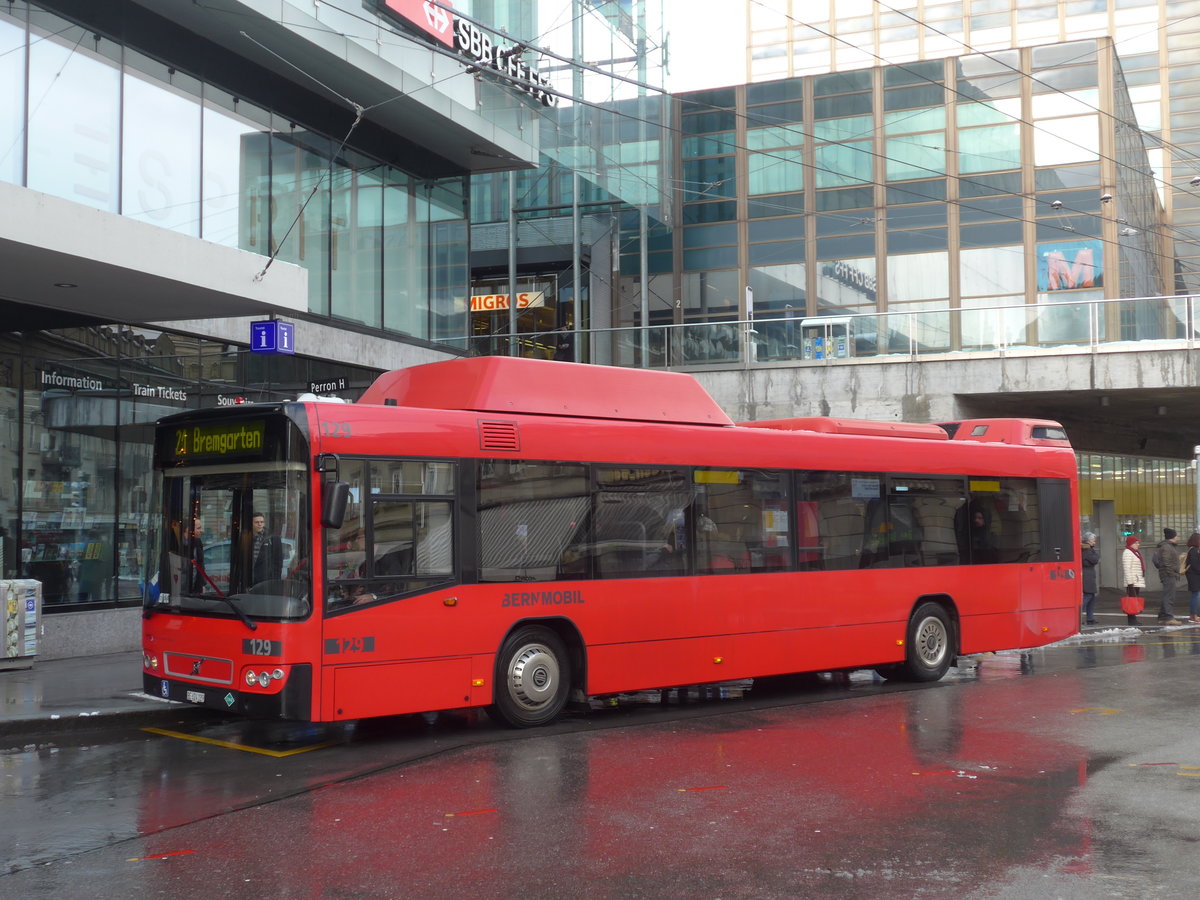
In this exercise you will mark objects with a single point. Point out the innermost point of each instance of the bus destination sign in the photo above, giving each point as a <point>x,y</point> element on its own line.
<point>193,442</point>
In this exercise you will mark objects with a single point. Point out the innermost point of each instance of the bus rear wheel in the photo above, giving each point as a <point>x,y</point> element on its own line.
<point>532,678</point>
<point>929,649</point>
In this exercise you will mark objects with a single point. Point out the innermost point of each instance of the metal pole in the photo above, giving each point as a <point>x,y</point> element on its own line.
<point>512,263</point>
<point>576,262</point>
<point>1196,475</point>
<point>644,234</point>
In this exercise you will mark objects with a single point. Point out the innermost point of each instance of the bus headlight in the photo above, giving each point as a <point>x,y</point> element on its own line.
<point>264,678</point>
<point>251,678</point>
<point>277,674</point>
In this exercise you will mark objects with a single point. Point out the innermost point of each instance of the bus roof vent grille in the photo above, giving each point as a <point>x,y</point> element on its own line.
<point>499,436</point>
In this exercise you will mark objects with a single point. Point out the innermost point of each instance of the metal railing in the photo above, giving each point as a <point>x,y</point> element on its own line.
<point>771,339</point>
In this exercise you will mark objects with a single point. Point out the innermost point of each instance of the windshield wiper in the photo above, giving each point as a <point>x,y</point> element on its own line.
<point>250,623</point>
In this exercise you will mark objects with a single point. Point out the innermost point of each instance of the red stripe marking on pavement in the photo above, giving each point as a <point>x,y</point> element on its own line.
<point>162,855</point>
<point>715,787</point>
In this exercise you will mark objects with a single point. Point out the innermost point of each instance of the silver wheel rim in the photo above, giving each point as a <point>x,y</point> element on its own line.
<point>932,642</point>
<point>533,676</point>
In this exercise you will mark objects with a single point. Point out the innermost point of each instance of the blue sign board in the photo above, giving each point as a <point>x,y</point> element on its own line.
<point>272,336</point>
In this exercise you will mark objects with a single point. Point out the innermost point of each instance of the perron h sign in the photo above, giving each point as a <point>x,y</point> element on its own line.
<point>272,336</point>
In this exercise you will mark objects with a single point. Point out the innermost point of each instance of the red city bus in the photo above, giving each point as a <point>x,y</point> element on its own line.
<point>513,534</point>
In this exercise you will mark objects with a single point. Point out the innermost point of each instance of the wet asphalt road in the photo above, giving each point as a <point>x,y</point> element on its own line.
<point>1068,772</point>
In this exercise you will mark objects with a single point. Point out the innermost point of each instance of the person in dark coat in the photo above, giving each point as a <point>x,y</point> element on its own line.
<point>1090,557</point>
<point>1191,572</point>
<point>266,552</point>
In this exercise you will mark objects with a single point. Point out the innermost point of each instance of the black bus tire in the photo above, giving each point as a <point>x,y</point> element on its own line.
<point>533,678</point>
<point>929,649</point>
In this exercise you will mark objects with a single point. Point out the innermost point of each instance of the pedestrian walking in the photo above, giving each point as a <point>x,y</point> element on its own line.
<point>1133,568</point>
<point>1090,557</point>
<point>1169,563</point>
<point>1191,572</point>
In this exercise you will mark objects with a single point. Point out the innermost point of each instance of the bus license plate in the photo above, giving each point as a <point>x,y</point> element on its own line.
<point>195,696</point>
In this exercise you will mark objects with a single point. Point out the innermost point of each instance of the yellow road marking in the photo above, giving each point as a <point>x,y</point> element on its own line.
<point>231,745</point>
<point>1103,710</point>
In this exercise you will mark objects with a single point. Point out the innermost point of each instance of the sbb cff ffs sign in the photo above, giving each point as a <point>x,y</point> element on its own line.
<point>489,302</point>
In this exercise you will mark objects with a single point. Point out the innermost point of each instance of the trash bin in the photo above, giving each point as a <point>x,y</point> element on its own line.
<point>21,607</point>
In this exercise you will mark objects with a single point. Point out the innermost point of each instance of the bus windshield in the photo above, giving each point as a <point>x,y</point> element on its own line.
<point>236,542</point>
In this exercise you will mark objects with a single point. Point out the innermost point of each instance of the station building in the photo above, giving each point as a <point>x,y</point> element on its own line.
<point>180,180</point>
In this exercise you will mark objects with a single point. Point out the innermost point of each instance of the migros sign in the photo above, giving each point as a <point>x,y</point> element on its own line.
<point>490,302</point>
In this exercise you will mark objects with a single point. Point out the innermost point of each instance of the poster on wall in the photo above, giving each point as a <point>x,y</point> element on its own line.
<point>1070,265</point>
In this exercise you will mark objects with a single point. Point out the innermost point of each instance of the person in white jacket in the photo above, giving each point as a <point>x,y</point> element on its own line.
<point>1133,568</point>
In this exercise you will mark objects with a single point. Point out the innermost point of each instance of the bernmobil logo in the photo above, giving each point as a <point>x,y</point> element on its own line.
<point>432,18</point>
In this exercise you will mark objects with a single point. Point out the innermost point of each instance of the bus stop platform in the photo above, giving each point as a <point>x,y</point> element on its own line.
<point>90,692</point>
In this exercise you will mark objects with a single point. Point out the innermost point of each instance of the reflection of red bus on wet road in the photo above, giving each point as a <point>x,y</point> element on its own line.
<point>509,533</point>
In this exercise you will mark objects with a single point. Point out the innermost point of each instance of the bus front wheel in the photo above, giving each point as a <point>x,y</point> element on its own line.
<point>532,678</point>
<point>929,650</point>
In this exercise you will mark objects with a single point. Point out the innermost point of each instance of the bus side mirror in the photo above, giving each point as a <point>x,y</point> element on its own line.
<point>334,497</point>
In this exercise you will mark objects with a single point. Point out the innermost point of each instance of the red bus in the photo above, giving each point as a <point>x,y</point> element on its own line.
<point>514,534</point>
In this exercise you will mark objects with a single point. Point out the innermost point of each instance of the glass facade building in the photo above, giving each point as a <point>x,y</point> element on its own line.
<point>237,131</point>
<point>1156,41</point>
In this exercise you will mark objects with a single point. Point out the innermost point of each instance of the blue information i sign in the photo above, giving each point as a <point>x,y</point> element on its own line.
<point>272,336</point>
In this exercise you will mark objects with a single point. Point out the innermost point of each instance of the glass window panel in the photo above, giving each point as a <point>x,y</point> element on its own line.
<point>778,205</point>
<point>989,149</point>
<point>1057,105</point>
<point>910,97</point>
<point>741,521</point>
<point>983,185</point>
<point>842,82</point>
<point>708,145</point>
<point>775,113</point>
<point>775,91</point>
<point>923,216</point>
<point>842,129</point>
<point>697,213</point>
<point>74,132</point>
<point>780,252</point>
<point>1069,179</point>
<point>833,513</point>
<point>843,164</point>
<point>706,235</point>
<point>994,233</point>
<point>533,521</point>
<point>847,198</point>
<point>12,101</point>
<point>707,122</point>
<point>707,291</point>
<point>405,276</point>
<point>982,210</point>
<point>917,241</point>
<point>847,283</point>
<point>302,229</point>
<point>715,257</point>
<point>847,104</point>
<point>768,138</point>
<point>917,192</point>
<point>235,179</point>
<point>708,178</point>
<point>918,276</point>
<point>913,73</point>
<point>995,112</point>
<point>996,270</point>
<point>776,229</point>
<point>915,156</point>
<point>914,120</point>
<point>776,172</point>
<point>1064,54</point>
<point>161,156</point>
<point>639,522</point>
<point>778,287</point>
<point>356,249</point>
<point>1059,141</point>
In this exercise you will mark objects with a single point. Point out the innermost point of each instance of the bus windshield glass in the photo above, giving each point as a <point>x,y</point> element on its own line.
<point>236,542</point>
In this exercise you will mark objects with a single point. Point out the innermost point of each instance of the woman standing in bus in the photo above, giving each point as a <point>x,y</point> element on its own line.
<point>1134,569</point>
